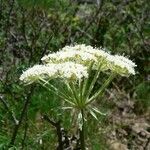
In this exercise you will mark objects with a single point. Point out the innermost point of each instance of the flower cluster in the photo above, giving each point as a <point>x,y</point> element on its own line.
<point>83,54</point>
<point>38,71</point>
<point>70,70</point>
<point>71,55</point>
<point>72,62</point>
<point>67,70</point>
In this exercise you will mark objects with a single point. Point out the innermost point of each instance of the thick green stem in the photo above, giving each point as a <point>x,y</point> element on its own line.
<point>82,134</point>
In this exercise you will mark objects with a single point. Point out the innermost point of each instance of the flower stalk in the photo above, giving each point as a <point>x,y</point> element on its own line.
<point>82,132</point>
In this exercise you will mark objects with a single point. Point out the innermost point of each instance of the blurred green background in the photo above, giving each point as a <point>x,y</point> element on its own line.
<point>30,29</point>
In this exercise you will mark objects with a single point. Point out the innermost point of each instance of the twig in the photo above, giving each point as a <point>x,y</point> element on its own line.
<point>86,34</point>
<point>45,47</point>
<point>7,23</point>
<point>10,11</point>
<point>58,129</point>
<point>14,135</point>
<point>92,20</point>
<point>25,131</point>
<point>24,27</point>
<point>10,111</point>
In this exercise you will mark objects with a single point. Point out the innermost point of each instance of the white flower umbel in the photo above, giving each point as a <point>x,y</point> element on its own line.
<point>83,54</point>
<point>67,70</point>
<point>39,71</point>
<point>116,63</point>
<point>120,65</point>
<point>71,55</point>
<point>71,70</point>
<point>80,54</point>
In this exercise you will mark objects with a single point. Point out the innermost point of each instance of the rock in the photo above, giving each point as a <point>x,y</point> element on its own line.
<point>145,134</point>
<point>116,145</point>
<point>139,127</point>
<point>148,146</point>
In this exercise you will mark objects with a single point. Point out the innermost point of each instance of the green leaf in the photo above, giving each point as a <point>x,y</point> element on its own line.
<point>93,114</point>
<point>99,112</point>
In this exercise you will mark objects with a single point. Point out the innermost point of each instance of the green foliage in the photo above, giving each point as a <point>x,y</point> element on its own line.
<point>44,4</point>
<point>32,28</point>
<point>143,97</point>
